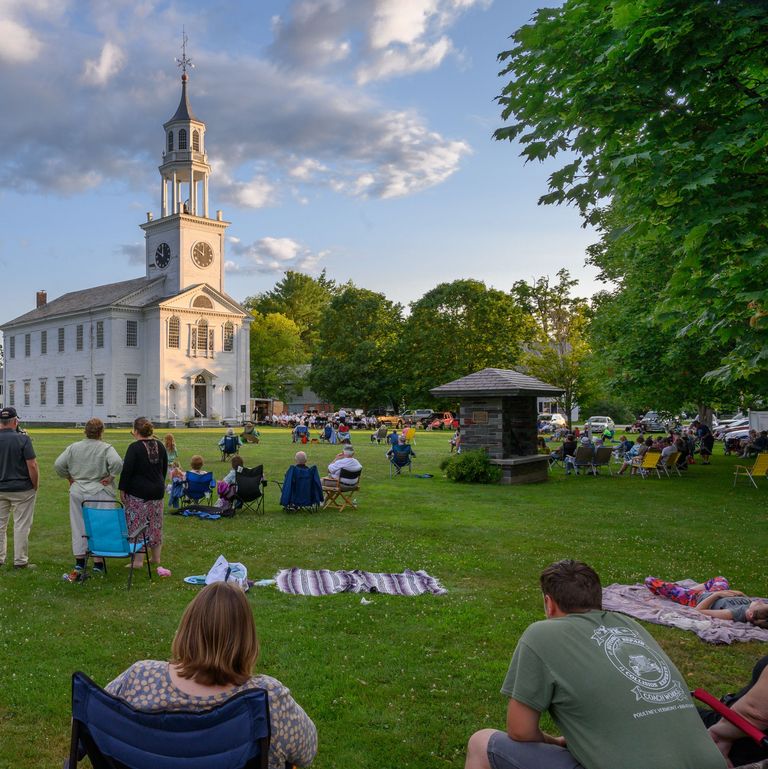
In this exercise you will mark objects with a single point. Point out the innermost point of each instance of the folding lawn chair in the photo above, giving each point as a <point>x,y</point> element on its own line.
<point>301,489</point>
<point>230,447</point>
<point>760,468</point>
<point>398,461</point>
<point>650,462</point>
<point>602,458</point>
<point>114,735</point>
<point>249,488</point>
<point>582,459</point>
<point>339,495</point>
<point>670,465</point>
<point>198,487</point>
<point>750,730</point>
<point>108,537</point>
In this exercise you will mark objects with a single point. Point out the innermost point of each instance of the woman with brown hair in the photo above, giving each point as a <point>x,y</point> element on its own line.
<point>142,488</point>
<point>213,654</point>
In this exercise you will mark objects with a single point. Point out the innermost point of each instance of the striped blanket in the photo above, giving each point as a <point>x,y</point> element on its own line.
<point>327,582</point>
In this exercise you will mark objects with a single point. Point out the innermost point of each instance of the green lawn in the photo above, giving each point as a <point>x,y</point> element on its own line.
<point>400,682</point>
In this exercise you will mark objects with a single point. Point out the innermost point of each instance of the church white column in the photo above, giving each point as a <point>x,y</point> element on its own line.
<point>174,194</point>
<point>205,195</point>
<point>163,196</point>
<point>192,193</point>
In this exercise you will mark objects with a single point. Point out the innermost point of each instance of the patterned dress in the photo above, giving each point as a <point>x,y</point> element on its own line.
<point>147,685</point>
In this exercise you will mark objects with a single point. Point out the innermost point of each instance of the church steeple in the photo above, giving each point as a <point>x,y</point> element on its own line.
<point>185,162</point>
<point>184,244</point>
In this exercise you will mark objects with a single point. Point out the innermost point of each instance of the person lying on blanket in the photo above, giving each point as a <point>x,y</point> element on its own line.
<point>714,598</point>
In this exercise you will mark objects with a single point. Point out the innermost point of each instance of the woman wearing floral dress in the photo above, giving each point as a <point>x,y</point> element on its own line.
<point>142,488</point>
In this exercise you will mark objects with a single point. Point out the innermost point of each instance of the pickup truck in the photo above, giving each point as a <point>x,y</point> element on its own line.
<point>417,417</point>
<point>390,420</point>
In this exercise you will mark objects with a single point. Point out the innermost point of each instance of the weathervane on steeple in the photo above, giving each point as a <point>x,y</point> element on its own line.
<point>184,61</point>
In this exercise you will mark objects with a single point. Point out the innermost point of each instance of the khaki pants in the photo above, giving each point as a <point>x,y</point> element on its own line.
<point>77,495</point>
<point>20,504</point>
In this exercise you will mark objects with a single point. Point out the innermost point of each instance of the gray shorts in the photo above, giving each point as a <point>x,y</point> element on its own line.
<point>506,753</point>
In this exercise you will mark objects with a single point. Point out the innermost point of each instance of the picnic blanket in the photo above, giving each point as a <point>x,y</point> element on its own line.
<point>326,582</point>
<point>639,602</point>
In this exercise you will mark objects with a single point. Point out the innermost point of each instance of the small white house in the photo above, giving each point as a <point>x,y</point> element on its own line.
<point>170,345</point>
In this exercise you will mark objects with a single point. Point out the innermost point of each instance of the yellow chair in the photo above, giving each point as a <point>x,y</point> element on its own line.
<point>760,468</point>
<point>671,464</point>
<point>410,436</point>
<point>649,462</point>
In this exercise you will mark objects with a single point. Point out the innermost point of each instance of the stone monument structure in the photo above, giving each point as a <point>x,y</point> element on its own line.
<point>498,413</point>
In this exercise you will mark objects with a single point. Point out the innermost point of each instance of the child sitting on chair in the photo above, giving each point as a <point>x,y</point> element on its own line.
<point>176,488</point>
<point>225,488</point>
<point>196,466</point>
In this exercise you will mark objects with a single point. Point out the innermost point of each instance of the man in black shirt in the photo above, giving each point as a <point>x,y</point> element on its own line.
<point>18,487</point>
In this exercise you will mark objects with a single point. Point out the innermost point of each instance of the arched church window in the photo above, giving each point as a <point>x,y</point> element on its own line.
<point>229,336</point>
<point>174,332</point>
<point>196,141</point>
<point>202,301</point>
<point>182,138</point>
<point>200,379</point>
<point>202,335</point>
<point>170,141</point>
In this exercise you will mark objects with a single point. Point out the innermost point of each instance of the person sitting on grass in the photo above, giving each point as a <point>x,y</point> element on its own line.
<point>213,654</point>
<point>602,678</point>
<point>715,599</point>
<point>170,448</point>
<point>250,434</point>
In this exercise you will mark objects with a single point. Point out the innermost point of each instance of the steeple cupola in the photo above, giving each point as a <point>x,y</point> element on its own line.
<point>185,170</point>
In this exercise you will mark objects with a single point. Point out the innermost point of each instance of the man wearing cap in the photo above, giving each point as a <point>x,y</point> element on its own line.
<point>343,461</point>
<point>18,487</point>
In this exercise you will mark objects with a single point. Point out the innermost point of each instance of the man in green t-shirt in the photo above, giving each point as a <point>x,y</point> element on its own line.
<point>614,694</point>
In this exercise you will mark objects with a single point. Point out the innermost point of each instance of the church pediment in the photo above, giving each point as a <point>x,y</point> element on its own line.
<point>202,299</point>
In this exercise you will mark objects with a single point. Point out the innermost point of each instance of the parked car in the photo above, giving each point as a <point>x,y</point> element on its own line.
<point>552,421</point>
<point>598,425</point>
<point>417,417</point>
<point>651,422</point>
<point>390,420</point>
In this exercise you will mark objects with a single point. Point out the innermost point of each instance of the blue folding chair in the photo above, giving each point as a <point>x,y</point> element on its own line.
<point>301,489</point>
<point>114,735</point>
<point>230,447</point>
<point>108,537</point>
<point>198,487</point>
<point>400,457</point>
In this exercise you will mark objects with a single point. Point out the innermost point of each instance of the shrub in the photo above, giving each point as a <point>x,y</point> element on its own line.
<point>471,467</point>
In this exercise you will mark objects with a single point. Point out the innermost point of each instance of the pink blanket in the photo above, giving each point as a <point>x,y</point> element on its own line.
<point>639,602</point>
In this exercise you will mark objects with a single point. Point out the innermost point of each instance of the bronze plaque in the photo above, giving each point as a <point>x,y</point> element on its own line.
<point>480,417</point>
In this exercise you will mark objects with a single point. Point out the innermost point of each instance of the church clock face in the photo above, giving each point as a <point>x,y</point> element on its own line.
<point>202,254</point>
<point>163,256</point>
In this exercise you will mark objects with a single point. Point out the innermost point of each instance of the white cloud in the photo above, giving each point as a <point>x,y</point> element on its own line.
<point>273,255</point>
<point>17,43</point>
<point>100,71</point>
<point>307,169</point>
<point>257,193</point>
<point>135,253</point>
<point>398,37</point>
<point>405,60</point>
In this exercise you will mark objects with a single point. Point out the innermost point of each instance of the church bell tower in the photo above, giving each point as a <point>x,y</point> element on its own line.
<point>185,244</point>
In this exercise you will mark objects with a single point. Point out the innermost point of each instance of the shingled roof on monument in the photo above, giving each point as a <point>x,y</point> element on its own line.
<point>495,381</point>
<point>88,298</point>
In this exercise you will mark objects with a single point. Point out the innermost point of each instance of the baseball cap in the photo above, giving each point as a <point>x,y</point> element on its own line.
<point>9,413</point>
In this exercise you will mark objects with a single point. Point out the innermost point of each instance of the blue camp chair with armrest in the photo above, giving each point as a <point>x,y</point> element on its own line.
<point>249,489</point>
<point>230,447</point>
<point>301,489</point>
<point>114,735</point>
<point>107,534</point>
<point>400,457</point>
<point>198,489</point>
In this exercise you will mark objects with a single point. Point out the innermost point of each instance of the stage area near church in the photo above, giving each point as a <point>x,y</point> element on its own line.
<point>400,682</point>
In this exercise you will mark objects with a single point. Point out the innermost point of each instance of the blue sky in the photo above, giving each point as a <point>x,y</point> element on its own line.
<point>350,135</point>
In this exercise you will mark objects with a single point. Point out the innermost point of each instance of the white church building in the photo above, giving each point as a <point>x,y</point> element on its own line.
<point>171,345</point>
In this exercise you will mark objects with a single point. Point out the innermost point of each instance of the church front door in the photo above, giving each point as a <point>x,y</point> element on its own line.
<point>201,397</point>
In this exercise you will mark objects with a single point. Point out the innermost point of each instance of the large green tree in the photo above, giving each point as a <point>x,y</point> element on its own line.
<point>277,355</point>
<point>559,352</point>
<point>353,362</point>
<point>455,329</point>
<point>299,297</point>
<point>659,107</point>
